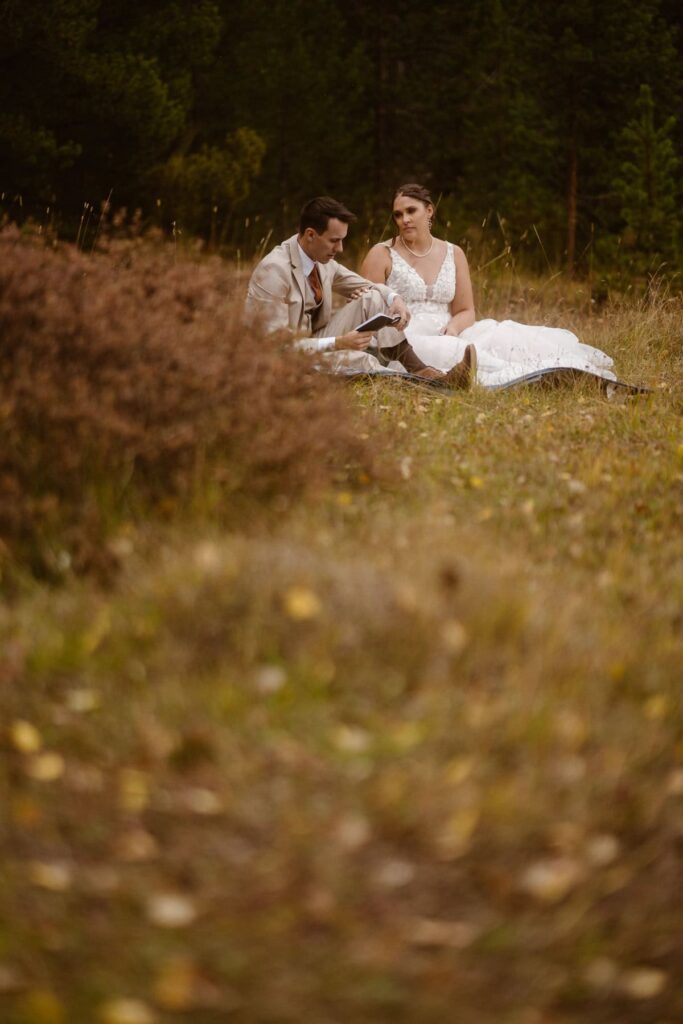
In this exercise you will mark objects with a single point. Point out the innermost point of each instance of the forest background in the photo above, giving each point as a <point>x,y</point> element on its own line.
<point>553,125</point>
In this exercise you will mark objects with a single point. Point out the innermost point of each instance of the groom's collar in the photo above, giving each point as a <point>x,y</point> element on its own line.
<point>307,263</point>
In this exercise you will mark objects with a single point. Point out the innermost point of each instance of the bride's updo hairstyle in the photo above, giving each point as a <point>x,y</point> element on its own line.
<point>413,191</point>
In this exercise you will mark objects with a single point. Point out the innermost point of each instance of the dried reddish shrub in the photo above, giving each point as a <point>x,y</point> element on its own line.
<point>128,377</point>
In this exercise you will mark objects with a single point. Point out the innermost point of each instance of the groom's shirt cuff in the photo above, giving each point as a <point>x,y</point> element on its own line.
<point>390,297</point>
<point>315,344</point>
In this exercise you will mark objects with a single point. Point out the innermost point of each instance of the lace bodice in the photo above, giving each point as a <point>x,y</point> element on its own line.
<point>421,298</point>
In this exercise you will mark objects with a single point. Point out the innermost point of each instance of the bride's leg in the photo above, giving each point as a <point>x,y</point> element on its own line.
<point>442,351</point>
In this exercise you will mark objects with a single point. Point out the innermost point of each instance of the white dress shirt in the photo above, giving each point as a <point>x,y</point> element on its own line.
<point>318,344</point>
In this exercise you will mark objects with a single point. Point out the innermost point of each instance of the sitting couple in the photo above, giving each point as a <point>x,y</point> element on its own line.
<point>413,277</point>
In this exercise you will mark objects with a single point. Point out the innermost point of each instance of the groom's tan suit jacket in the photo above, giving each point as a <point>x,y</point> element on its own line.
<point>278,293</point>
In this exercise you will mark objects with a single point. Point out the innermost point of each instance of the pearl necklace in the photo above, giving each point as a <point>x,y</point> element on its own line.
<point>418,255</point>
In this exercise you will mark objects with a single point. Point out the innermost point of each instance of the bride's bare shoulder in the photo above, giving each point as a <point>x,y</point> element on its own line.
<point>377,264</point>
<point>459,254</point>
<point>457,249</point>
<point>381,250</point>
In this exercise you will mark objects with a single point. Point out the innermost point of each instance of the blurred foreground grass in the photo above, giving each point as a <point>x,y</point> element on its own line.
<point>406,751</point>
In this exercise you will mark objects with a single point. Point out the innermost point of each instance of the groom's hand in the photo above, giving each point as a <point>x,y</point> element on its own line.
<point>357,341</point>
<point>398,307</point>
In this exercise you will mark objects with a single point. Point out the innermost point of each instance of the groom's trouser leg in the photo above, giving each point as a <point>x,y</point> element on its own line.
<point>345,320</point>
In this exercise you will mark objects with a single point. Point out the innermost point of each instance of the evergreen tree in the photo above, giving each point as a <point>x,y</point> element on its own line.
<point>510,147</point>
<point>647,184</point>
<point>200,188</point>
<point>592,56</point>
<point>509,106</point>
<point>94,95</point>
<point>288,70</point>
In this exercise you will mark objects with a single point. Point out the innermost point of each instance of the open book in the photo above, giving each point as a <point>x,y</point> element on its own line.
<point>377,322</point>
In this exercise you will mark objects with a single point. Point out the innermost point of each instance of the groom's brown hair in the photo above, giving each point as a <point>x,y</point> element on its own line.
<point>317,212</point>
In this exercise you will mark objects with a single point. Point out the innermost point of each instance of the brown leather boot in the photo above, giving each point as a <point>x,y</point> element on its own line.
<point>464,374</point>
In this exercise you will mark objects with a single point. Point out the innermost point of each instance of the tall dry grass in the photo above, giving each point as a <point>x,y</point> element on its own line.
<point>128,381</point>
<point>406,753</point>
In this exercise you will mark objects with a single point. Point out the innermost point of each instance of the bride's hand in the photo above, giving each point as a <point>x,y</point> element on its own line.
<point>398,307</point>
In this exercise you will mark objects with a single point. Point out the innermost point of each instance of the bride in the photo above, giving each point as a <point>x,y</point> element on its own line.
<point>433,278</point>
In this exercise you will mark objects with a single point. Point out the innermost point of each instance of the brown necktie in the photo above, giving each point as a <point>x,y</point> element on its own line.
<point>314,281</point>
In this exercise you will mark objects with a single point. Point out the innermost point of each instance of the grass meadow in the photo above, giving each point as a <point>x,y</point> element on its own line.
<point>326,702</point>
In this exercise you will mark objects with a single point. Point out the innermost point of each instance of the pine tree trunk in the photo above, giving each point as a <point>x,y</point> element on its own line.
<point>572,191</point>
<point>380,110</point>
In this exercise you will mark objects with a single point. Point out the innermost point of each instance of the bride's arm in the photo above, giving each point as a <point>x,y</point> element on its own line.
<point>462,306</point>
<point>377,264</point>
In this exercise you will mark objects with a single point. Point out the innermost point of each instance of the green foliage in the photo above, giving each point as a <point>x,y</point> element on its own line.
<point>42,47</point>
<point>647,184</point>
<point>510,145</point>
<point>102,93</point>
<point>561,79</point>
<point>510,110</point>
<point>197,186</point>
<point>293,73</point>
<point>35,149</point>
<point>138,116</point>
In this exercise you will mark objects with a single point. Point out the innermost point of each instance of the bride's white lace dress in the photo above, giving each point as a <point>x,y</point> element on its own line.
<point>506,350</point>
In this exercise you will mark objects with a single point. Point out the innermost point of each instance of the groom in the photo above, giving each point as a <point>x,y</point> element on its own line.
<point>291,289</point>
